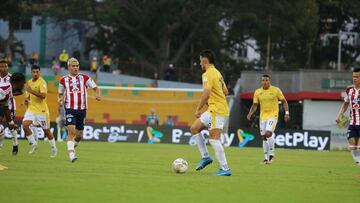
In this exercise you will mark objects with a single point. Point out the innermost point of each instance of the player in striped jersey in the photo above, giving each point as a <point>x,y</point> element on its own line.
<point>73,95</point>
<point>352,99</point>
<point>5,78</point>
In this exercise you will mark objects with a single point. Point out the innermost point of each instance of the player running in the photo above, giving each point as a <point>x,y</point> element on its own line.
<point>73,95</point>
<point>268,98</point>
<point>5,78</point>
<point>352,99</point>
<point>37,113</point>
<point>213,119</point>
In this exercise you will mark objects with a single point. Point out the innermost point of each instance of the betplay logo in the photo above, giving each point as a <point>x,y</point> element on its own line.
<point>298,139</point>
<point>244,137</point>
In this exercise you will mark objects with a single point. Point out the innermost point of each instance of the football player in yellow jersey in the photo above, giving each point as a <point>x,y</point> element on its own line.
<point>268,98</point>
<point>37,113</point>
<point>214,117</point>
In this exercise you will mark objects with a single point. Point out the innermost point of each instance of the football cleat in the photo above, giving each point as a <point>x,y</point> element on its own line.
<point>15,150</point>
<point>271,159</point>
<point>53,152</point>
<point>223,172</point>
<point>33,148</point>
<point>203,163</point>
<point>73,159</point>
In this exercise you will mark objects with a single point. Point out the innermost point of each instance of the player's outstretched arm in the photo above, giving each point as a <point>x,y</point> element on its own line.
<point>252,110</point>
<point>97,93</point>
<point>342,110</point>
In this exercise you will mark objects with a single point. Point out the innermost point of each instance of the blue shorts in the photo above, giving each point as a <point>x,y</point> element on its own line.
<point>353,131</point>
<point>75,117</point>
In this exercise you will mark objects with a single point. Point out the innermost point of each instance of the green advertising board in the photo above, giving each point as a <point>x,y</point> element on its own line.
<point>335,84</point>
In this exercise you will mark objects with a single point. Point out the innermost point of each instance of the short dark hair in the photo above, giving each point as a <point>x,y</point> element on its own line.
<point>3,60</point>
<point>356,70</point>
<point>17,77</point>
<point>207,53</point>
<point>35,67</point>
<point>266,76</point>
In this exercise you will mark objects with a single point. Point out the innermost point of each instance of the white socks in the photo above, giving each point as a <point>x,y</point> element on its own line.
<point>356,155</point>
<point>219,153</point>
<point>52,143</point>
<point>271,142</point>
<point>71,149</point>
<point>200,141</point>
<point>31,139</point>
<point>266,149</point>
<point>14,136</point>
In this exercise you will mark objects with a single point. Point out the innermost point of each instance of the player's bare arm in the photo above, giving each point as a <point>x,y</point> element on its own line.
<point>61,99</point>
<point>252,110</point>
<point>286,108</point>
<point>97,93</point>
<point>225,89</point>
<point>343,108</point>
<point>38,94</point>
<point>203,101</point>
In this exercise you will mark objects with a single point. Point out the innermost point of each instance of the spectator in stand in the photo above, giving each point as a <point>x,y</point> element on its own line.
<point>152,119</point>
<point>94,68</point>
<point>169,121</point>
<point>170,73</point>
<point>55,66</point>
<point>156,79</point>
<point>106,63</point>
<point>22,64</point>
<point>63,58</point>
<point>76,54</point>
<point>34,59</point>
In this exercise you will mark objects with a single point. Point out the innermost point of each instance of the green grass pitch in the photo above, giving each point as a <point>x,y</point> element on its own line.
<point>131,172</point>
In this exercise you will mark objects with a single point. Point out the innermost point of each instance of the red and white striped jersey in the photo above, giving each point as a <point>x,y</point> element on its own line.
<point>74,89</point>
<point>5,94</point>
<point>353,97</point>
<point>5,79</point>
<point>11,102</point>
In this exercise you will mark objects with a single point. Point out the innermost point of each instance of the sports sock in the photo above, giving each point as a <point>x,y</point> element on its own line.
<point>271,142</point>
<point>266,149</point>
<point>356,155</point>
<point>14,137</point>
<point>71,149</point>
<point>52,143</point>
<point>31,139</point>
<point>200,141</point>
<point>219,153</point>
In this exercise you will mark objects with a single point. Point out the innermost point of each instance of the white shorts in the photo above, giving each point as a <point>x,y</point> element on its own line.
<point>267,125</point>
<point>211,121</point>
<point>40,120</point>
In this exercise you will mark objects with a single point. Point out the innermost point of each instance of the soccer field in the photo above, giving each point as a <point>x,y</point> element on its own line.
<point>124,172</point>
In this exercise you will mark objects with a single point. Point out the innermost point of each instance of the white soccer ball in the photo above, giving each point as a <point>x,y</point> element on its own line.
<point>180,165</point>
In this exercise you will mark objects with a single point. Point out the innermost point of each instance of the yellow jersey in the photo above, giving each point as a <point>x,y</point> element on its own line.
<point>36,104</point>
<point>269,102</point>
<point>213,80</point>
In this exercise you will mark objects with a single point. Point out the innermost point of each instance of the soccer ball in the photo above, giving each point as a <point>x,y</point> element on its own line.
<point>180,165</point>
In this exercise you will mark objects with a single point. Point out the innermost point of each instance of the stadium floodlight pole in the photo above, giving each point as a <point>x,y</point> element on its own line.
<point>340,43</point>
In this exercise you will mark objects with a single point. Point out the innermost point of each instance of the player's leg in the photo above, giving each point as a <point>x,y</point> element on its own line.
<point>45,124</point>
<point>2,135</point>
<point>217,124</point>
<point>353,140</point>
<point>195,129</point>
<point>80,122</point>
<point>14,134</point>
<point>269,129</point>
<point>70,125</point>
<point>265,145</point>
<point>27,121</point>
